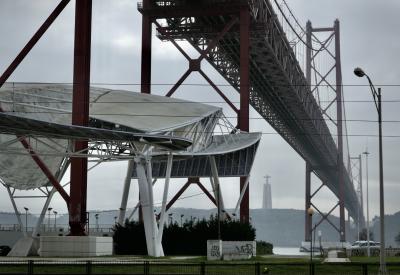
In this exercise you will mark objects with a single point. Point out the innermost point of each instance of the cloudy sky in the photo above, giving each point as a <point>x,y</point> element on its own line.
<point>369,39</point>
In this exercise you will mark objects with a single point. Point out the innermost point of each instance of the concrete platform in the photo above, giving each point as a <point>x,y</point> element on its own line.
<point>26,246</point>
<point>333,257</point>
<point>75,246</point>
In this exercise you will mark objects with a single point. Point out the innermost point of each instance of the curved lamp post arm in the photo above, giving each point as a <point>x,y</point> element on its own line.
<point>375,94</point>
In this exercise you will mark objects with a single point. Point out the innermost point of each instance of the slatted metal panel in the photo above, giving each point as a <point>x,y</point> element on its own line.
<point>234,164</point>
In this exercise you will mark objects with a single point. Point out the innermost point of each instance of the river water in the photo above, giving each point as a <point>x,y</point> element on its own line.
<point>289,251</point>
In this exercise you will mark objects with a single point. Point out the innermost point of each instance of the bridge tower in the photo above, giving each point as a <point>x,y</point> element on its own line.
<point>356,172</point>
<point>327,78</point>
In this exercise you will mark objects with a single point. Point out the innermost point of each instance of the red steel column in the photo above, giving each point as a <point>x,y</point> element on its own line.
<point>244,95</point>
<point>340,167</point>
<point>308,218</point>
<point>145,84</point>
<point>80,114</point>
<point>146,50</point>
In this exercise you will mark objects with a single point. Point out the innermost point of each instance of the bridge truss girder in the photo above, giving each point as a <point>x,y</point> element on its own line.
<point>279,91</point>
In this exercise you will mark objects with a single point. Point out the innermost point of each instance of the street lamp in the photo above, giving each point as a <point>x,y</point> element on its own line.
<point>366,153</point>
<point>55,220</point>
<point>97,221</point>
<point>48,222</point>
<point>310,212</point>
<point>378,104</point>
<point>26,218</point>
<point>170,218</point>
<point>181,219</point>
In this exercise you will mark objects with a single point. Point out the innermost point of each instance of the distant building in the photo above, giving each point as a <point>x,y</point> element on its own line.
<point>267,198</point>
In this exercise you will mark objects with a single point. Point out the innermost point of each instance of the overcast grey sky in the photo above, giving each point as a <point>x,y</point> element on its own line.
<point>369,38</point>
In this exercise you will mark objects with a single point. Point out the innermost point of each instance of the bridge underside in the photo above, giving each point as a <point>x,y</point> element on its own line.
<point>278,89</point>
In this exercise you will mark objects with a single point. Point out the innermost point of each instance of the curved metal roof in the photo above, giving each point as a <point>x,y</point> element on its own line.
<point>111,109</point>
<point>19,126</point>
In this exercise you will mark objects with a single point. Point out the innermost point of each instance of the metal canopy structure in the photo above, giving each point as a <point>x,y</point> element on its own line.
<point>158,120</point>
<point>158,131</point>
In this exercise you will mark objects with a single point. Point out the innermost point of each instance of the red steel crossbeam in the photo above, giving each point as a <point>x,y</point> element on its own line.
<point>7,73</point>
<point>80,114</point>
<point>45,170</point>
<point>325,217</point>
<point>178,194</point>
<point>183,189</point>
<point>194,64</point>
<point>205,191</point>
<point>32,42</point>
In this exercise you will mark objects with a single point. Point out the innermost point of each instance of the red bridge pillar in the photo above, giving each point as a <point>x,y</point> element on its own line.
<point>80,114</point>
<point>244,95</point>
<point>145,86</point>
<point>146,51</point>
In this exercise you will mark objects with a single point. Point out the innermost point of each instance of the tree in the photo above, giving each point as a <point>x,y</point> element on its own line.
<point>188,239</point>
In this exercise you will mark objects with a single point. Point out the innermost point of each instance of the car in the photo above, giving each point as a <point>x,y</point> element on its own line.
<point>358,244</point>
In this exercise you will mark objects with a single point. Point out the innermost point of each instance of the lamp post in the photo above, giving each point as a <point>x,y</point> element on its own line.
<point>320,242</point>
<point>55,220</point>
<point>97,221</point>
<point>310,212</point>
<point>181,219</point>
<point>366,153</point>
<point>378,104</point>
<point>26,218</point>
<point>48,221</point>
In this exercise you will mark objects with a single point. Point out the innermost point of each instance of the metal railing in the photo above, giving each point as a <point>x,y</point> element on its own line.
<point>196,268</point>
<point>62,228</point>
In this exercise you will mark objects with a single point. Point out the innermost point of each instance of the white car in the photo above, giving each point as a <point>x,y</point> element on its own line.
<point>358,244</point>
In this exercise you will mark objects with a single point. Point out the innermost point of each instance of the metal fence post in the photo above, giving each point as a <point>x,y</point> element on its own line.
<point>257,268</point>
<point>88,267</point>
<point>365,269</point>
<point>146,268</point>
<point>202,268</point>
<point>312,268</point>
<point>30,267</point>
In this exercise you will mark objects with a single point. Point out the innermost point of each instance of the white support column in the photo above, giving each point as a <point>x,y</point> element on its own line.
<point>242,194</point>
<point>153,221</point>
<point>214,172</point>
<point>164,204</point>
<point>214,187</point>
<point>16,210</point>
<point>43,212</point>
<point>138,204</point>
<point>146,196</point>
<point>50,195</point>
<point>125,193</point>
